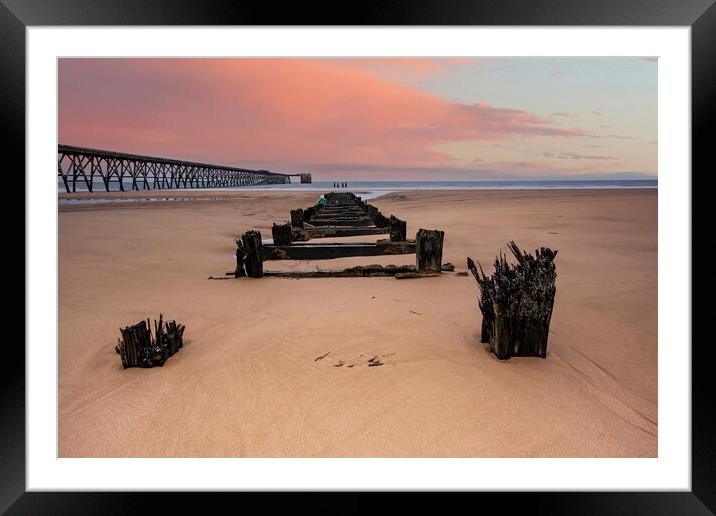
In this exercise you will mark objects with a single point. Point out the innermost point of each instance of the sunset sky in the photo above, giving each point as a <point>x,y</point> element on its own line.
<point>373,119</point>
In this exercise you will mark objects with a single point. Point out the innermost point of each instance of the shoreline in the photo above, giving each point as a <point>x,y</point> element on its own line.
<point>91,199</point>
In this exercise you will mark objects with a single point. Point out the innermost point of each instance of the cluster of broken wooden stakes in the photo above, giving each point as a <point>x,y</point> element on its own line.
<point>139,347</point>
<point>341,215</point>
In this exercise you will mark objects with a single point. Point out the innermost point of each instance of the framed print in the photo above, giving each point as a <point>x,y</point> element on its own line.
<point>426,249</point>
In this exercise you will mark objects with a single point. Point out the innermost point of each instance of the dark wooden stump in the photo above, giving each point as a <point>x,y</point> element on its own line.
<point>517,301</point>
<point>398,229</point>
<point>297,218</point>
<point>429,250</point>
<point>138,347</point>
<point>281,234</point>
<point>253,259</point>
<point>379,220</point>
<point>308,213</point>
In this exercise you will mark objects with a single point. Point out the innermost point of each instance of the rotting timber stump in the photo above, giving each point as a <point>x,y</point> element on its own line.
<point>398,229</point>
<point>138,347</point>
<point>297,218</point>
<point>429,250</point>
<point>249,256</point>
<point>281,234</point>
<point>516,302</point>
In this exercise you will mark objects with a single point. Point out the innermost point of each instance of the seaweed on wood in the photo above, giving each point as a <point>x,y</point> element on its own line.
<point>139,347</point>
<point>516,302</point>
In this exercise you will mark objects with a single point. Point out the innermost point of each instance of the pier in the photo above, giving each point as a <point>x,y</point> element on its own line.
<point>82,166</point>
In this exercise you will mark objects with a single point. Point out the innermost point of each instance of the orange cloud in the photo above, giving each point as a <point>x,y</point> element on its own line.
<point>280,113</point>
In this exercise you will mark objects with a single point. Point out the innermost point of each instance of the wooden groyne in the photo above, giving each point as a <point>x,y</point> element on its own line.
<point>334,215</point>
<point>516,302</point>
<point>343,214</point>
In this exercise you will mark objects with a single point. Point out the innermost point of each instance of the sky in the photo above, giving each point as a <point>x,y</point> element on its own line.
<point>373,118</point>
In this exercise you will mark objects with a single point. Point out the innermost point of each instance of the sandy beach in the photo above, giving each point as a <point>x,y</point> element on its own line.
<point>247,382</point>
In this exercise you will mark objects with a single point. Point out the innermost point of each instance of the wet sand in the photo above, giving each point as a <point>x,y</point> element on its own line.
<point>247,383</point>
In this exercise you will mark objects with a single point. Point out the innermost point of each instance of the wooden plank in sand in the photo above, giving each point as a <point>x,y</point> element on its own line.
<point>516,302</point>
<point>337,250</point>
<point>363,221</point>
<point>308,232</point>
<point>359,271</point>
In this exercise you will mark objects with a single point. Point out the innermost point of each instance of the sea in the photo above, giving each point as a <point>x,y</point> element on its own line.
<point>372,189</point>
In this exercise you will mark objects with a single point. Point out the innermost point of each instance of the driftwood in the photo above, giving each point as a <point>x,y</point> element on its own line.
<point>281,234</point>
<point>516,302</point>
<point>249,258</point>
<point>138,347</point>
<point>429,250</point>
<point>398,229</point>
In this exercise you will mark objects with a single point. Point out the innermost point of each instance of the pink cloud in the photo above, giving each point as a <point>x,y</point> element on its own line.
<point>283,113</point>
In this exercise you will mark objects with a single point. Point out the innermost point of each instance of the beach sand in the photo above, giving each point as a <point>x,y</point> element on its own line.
<point>248,383</point>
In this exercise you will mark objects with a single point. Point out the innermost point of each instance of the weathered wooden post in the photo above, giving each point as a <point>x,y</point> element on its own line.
<point>516,302</point>
<point>281,234</point>
<point>429,250</point>
<point>379,220</point>
<point>249,256</point>
<point>398,229</point>
<point>308,213</point>
<point>297,218</point>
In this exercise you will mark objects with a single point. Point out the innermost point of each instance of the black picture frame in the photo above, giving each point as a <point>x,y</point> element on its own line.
<point>700,15</point>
